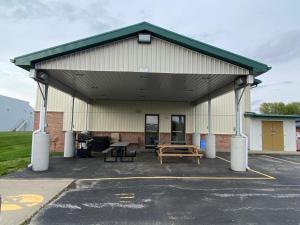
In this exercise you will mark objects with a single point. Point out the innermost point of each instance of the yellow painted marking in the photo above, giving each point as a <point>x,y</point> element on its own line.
<point>17,202</point>
<point>126,197</point>
<point>265,177</point>
<point>263,174</point>
<point>284,160</point>
<point>124,194</point>
<point>254,171</point>
<point>178,178</point>
<point>10,207</point>
<point>226,160</point>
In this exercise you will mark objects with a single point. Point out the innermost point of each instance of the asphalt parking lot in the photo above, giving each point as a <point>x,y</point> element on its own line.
<point>251,199</point>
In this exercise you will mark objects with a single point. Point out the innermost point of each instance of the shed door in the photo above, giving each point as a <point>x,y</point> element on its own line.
<point>272,135</point>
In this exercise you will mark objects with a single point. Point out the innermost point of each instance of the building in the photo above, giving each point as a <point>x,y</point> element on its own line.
<point>146,83</point>
<point>15,114</point>
<point>272,132</point>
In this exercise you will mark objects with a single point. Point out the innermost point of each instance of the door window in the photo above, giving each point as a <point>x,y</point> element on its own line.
<point>151,129</point>
<point>178,129</point>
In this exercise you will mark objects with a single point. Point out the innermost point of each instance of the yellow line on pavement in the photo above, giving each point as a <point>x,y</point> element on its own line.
<point>126,197</point>
<point>284,160</point>
<point>124,194</point>
<point>178,178</point>
<point>252,170</point>
<point>265,177</point>
<point>223,159</point>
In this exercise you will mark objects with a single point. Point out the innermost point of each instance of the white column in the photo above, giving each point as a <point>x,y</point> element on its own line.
<point>210,139</point>
<point>69,146</point>
<point>87,117</point>
<point>196,135</point>
<point>238,142</point>
<point>40,139</point>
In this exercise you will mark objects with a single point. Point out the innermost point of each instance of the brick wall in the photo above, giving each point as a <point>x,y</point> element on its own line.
<point>55,129</point>
<point>223,141</point>
<point>136,138</point>
<point>165,138</point>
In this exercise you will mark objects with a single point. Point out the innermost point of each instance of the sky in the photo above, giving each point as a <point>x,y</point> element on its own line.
<point>267,31</point>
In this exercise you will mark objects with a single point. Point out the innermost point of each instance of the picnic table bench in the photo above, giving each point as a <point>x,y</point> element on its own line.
<point>166,150</point>
<point>119,150</point>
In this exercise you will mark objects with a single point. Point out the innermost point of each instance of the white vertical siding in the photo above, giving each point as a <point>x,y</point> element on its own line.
<point>289,129</point>
<point>289,134</point>
<point>129,56</point>
<point>255,134</point>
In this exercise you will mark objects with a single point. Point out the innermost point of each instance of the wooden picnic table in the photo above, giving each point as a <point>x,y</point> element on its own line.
<point>168,150</point>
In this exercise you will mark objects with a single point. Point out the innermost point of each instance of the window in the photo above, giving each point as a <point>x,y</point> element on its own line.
<point>178,129</point>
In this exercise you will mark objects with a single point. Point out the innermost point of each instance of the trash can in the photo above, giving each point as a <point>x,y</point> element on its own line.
<point>202,144</point>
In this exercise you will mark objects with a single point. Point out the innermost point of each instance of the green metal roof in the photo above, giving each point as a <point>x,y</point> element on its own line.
<point>27,61</point>
<point>272,116</point>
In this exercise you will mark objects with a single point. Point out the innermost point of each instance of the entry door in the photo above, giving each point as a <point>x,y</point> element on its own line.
<point>272,135</point>
<point>178,129</point>
<point>151,129</point>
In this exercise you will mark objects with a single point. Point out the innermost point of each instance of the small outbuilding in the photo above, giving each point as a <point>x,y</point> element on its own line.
<point>269,132</point>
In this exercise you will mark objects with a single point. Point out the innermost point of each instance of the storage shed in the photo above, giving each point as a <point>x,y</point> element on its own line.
<point>269,132</point>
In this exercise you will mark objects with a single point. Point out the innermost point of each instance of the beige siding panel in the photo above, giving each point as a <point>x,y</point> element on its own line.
<point>129,115</point>
<point>129,56</point>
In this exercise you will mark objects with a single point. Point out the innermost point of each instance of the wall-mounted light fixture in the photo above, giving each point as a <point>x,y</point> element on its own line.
<point>144,38</point>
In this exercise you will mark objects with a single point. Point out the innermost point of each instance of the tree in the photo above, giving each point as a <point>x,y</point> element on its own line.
<point>280,108</point>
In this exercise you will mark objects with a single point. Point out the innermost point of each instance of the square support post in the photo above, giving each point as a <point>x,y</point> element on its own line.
<point>69,146</point>
<point>210,151</point>
<point>238,142</point>
<point>196,135</point>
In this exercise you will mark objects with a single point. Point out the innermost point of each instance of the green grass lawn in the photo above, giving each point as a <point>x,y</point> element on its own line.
<point>15,149</point>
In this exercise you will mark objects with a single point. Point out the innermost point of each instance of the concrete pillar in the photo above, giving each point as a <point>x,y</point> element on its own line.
<point>210,143</point>
<point>40,151</point>
<point>238,142</point>
<point>40,139</point>
<point>69,146</point>
<point>196,139</point>
<point>238,153</point>
<point>210,139</point>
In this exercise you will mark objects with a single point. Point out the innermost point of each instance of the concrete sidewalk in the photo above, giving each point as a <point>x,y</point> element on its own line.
<point>21,199</point>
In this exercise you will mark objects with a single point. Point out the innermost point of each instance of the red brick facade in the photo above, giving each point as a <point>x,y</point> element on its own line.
<point>223,142</point>
<point>55,128</point>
